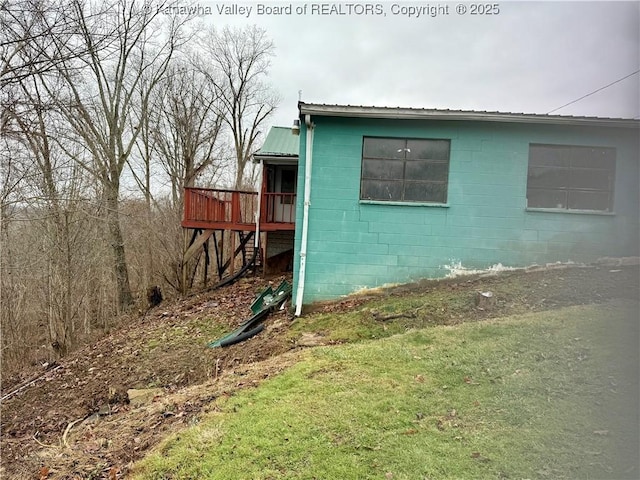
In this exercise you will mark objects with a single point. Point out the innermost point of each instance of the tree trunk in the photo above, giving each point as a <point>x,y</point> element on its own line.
<point>239,172</point>
<point>125,298</point>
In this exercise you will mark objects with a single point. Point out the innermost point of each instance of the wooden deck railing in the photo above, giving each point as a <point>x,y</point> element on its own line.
<point>278,207</point>
<point>235,209</point>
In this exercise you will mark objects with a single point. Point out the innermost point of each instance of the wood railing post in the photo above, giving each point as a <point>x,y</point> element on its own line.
<point>263,208</point>
<point>235,207</point>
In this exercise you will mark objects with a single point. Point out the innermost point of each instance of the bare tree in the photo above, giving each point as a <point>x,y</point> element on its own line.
<point>51,197</point>
<point>239,60</point>
<point>74,109</point>
<point>187,137</point>
<point>178,141</point>
<point>124,45</point>
<point>12,175</point>
<point>34,127</point>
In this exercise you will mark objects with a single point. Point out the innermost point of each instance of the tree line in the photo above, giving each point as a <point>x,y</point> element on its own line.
<point>109,109</point>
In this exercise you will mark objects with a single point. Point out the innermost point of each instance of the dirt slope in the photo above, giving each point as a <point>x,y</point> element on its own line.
<point>76,421</point>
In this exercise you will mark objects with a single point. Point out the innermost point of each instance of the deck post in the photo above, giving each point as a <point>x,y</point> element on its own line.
<point>205,246</point>
<point>232,252</point>
<point>183,285</point>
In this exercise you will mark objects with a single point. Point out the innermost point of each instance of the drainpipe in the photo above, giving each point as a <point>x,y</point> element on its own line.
<point>259,206</point>
<point>305,214</point>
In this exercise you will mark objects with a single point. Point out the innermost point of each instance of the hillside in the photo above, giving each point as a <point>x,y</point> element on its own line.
<point>83,418</point>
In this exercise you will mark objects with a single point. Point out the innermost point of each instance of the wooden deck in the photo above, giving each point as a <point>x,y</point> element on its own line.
<point>219,209</point>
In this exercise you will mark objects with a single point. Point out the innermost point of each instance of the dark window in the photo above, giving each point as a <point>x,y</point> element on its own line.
<point>404,170</point>
<point>571,177</point>
<point>288,185</point>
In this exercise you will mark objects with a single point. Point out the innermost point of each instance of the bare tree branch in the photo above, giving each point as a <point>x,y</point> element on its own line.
<point>188,127</point>
<point>240,59</point>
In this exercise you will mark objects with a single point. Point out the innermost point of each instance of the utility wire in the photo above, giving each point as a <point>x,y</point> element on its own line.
<point>595,91</point>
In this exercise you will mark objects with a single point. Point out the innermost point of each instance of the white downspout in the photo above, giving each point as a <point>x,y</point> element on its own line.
<point>256,241</point>
<point>305,214</point>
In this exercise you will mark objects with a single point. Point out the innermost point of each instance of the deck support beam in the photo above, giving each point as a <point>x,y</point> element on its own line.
<point>196,244</point>
<point>243,213</point>
<point>198,239</point>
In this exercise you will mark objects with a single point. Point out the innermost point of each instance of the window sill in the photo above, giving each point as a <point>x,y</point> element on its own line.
<point>405,204</point>
<point>571,212</point>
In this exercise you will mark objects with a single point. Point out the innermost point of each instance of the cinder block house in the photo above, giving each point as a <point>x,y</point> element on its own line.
<point>388,195</point>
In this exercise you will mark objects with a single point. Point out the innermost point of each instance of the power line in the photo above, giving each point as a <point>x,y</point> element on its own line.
<point>595,91</point>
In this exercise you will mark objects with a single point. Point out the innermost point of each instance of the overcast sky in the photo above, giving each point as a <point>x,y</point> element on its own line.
<point>530,57</point>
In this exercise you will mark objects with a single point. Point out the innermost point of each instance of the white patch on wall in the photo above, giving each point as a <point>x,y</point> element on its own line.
<point>456,269</point>
<point>364,290</point>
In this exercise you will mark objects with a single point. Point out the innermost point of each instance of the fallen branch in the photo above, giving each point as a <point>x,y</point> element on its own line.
<point>393,316</point>
<point>68,429</point>
<point>28,384</point>
<point>383,318</point>
<point>43,444</point>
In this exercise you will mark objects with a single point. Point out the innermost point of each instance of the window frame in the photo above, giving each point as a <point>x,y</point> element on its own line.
<point>571,190</point>
<point>405,181</point>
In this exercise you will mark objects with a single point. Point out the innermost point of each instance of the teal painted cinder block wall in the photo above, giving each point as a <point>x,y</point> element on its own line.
<point>354,245</point>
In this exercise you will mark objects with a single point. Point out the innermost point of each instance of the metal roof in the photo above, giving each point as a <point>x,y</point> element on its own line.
<point>321,109</point>
<point>280,142</point>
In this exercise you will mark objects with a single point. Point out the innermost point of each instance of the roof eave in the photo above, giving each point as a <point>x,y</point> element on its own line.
<point>275,158</point>
<point>426,114</point>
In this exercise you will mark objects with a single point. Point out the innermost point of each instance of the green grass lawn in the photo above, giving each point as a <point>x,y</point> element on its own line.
<point>546,395</point>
